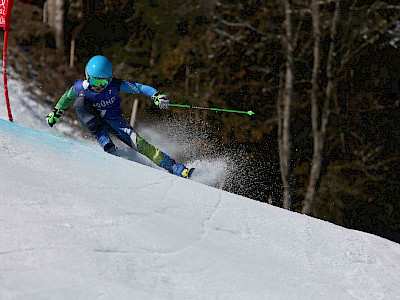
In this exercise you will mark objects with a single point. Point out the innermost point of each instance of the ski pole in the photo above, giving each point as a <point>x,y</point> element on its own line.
<point>250,113</point>
<point>58,133</point>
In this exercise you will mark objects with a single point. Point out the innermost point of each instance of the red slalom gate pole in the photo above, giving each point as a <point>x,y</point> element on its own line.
<point>5,75</point>
<point>5,14</point>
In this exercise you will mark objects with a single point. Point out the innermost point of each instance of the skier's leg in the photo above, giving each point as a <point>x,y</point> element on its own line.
<point>93,123</point>
<point>122,130</point>
<point>160,158</point>
<point>87,116</point>
<point>128,135</point>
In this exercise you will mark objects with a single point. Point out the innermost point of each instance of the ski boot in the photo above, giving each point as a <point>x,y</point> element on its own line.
<point>173,167</point>
<point>105,142</point>
<point>179,170</point>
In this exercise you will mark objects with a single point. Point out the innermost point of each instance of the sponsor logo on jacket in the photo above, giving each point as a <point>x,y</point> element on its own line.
<point>104,103</point>
<point>133,86</point>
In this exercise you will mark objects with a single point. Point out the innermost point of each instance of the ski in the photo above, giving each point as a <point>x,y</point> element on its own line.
<point>190,172</point>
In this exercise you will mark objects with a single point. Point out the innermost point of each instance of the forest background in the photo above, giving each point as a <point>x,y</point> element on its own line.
<point>323,78</point>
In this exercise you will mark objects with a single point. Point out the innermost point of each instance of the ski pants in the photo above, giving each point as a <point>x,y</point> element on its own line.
<point>92,122</point>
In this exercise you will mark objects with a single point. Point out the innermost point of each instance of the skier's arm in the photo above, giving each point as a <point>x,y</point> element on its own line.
<point>65,100</point>
<point>137,88</point>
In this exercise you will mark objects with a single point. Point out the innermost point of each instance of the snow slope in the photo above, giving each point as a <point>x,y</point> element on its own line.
<point>77,223</point>
<point>26,109</point>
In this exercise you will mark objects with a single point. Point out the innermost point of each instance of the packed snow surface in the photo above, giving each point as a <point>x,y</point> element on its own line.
<point>77,223</point>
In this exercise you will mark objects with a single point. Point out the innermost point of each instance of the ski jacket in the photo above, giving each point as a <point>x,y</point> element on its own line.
<point>108,101</point>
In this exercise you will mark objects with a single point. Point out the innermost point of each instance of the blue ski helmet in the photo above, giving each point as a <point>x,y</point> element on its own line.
<point>99,71</point>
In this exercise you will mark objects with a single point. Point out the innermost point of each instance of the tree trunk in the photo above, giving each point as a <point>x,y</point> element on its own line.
<point>319,130</point>
<point>50,11</point>
<point>284,113</point>
<point>88,7</point>
<point>55,17</point>
<point>59,19</point>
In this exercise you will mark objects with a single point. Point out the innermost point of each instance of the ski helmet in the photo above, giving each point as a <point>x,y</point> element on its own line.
<point>99,71</point>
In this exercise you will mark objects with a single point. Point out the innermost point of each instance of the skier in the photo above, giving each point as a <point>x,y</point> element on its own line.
<point>98,106</point>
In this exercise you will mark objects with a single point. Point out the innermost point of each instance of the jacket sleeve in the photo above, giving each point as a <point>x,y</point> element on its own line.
<point>66,99</point>
<point>137,88</point>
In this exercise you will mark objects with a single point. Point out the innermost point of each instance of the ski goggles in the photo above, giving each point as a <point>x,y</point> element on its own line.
<point>99,82</point>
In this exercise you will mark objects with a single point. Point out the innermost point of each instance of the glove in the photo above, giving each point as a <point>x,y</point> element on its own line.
<point>160,100</point>
<point>53,117</point>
